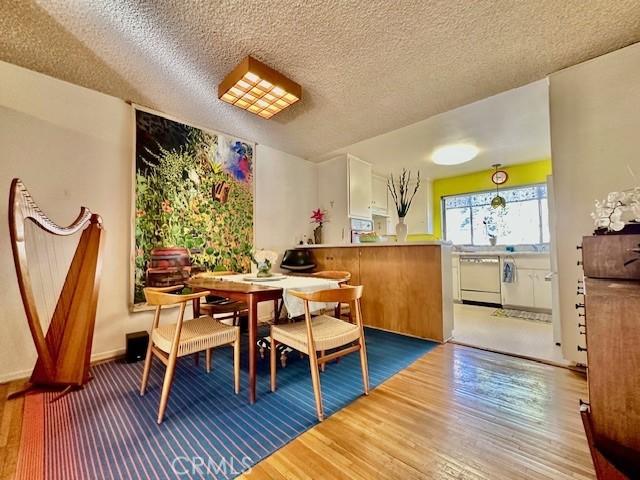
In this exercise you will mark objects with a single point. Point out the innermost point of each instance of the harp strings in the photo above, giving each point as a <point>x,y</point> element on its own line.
<point>48,259</point>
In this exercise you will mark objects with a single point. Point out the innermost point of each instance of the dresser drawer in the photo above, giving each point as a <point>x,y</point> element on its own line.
<point>604,256</point>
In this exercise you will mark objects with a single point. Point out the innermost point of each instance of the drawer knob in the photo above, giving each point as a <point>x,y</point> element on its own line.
<point>579,305</point>
<point>578,247</point>
<point>580,325</point>
<point>581,349</point>
<point>579,262</point>
<point>582,402</point>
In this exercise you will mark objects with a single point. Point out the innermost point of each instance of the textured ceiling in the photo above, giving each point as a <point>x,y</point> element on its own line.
<point>508,128</point>
<point>366,67</point>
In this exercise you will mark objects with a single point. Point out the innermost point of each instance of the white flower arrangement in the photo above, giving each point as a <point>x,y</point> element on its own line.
<point>262,256</point>
<point>617,210</point>
<point>264,260</point>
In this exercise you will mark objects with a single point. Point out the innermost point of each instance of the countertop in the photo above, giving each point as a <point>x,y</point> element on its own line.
<point>377,244</point>
<point>501,254</point>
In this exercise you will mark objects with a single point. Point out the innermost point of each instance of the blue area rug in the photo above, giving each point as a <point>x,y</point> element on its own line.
<point>208,431</point>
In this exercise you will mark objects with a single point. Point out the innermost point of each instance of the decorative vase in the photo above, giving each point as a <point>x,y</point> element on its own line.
<point>317,235</point>
<point>401,230</point>
<point>493,240</point>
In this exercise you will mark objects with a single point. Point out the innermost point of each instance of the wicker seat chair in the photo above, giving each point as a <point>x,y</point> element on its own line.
<point>185,337</point>
<point>316,335</point>
<point>222,305</point>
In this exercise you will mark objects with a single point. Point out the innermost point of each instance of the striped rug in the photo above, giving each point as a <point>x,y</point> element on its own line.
<point>107,431</point>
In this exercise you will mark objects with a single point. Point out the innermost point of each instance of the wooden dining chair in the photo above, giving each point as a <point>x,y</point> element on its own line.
<point>342,277</point>
<point>221,305</point>
<point>171,341</point>
<point>323,333</point>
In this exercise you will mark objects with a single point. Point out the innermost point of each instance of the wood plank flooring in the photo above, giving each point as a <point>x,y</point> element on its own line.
<point>457,413</point>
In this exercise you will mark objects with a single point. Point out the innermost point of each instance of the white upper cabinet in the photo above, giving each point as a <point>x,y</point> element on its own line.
<point>359,173</point>
<point>344,191</point>
<point>379,202</point>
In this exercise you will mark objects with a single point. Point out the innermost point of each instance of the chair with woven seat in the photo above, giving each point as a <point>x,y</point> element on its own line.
<point>185,337</point>
<point>220,305</point>
<point>340,276</point>
<point>316,335</point>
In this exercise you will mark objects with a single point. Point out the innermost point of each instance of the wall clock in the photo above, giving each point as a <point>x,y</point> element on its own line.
<point>499,177</point>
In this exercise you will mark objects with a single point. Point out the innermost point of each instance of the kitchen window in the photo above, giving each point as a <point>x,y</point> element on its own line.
<point>470,219</point>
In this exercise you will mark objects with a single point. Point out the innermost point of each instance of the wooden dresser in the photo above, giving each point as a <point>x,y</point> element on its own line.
<point>611,313</point>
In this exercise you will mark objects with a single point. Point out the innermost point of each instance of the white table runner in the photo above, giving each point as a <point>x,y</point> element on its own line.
<point>294,305</point>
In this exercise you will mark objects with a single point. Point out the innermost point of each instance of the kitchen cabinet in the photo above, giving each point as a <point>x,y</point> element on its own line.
<point>406,287</point>
<point>530,289</point>
<point>344,192</point>
<point>541,290</point>
<point>342,259</point>
<point>359,175</point>
<point>380,201</point>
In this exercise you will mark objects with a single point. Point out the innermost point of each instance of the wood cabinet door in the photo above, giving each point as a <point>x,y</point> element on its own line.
<point>403,289</point>
<point>359,188</point>
<point>613,335</point>
<point>345,259</point>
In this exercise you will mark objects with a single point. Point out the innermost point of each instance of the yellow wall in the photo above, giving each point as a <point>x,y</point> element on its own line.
<point>521,174</point>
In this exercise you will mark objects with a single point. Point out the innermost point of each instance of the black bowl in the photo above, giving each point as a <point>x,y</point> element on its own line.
<point>298,260</point>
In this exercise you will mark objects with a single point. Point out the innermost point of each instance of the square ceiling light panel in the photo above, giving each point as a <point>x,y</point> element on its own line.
<point>259,89</point>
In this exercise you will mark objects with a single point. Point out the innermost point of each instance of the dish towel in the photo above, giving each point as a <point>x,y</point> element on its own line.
<point>508,271</point>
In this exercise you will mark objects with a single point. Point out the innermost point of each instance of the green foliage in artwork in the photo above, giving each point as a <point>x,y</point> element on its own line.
<point>175,208</point>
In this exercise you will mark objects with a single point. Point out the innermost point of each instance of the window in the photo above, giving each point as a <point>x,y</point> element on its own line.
<point>471,220</point>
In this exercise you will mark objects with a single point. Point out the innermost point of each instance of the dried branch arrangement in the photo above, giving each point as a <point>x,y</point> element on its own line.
<point>400,189</point>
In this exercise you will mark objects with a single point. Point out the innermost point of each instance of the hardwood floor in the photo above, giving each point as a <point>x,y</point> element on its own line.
<point>10,429</point>
<point>457,413</point>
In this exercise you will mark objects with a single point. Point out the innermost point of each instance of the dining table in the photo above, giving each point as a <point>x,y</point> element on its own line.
<point>253,291</point>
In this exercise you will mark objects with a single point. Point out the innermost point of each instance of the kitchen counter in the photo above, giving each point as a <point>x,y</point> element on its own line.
<point>500,254</point>
<point>407,286</point>
<point>376,244</point>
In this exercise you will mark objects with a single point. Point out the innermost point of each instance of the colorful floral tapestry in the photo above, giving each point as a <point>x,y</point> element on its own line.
<point>193,202</point>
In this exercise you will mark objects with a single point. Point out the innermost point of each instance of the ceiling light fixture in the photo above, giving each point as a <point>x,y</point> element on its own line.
<point>454,154</point>
<point>259,89</point>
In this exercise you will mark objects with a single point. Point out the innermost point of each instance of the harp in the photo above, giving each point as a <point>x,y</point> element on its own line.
<point>64,334</point>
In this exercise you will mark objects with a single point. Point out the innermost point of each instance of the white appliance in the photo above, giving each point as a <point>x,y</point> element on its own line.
<point>358,227</point>
<point>480,279</point>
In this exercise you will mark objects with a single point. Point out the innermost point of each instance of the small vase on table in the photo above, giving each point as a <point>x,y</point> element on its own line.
<point>401,230</point>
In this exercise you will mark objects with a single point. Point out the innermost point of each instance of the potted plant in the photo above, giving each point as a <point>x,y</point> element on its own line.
<point>400,190</point>
<point>318,217</point>
<point>264,260</point>
<point>618,213</point>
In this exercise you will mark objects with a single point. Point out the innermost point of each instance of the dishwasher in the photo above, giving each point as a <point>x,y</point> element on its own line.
<point>480,279</point>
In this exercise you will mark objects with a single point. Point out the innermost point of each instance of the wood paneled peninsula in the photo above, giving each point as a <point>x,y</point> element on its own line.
<point>407,286</point>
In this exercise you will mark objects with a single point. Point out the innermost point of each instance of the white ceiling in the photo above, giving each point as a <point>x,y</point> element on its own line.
<point>366,66</point>
<point>508,128</point>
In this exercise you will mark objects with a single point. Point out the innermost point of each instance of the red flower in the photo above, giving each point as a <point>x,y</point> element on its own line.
<point>317,216</point>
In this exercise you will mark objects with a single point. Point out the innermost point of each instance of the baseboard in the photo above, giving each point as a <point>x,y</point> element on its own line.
<point>406,334</point>
<point>96,358</point>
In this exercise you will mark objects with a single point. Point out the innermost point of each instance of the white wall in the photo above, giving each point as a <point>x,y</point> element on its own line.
<point>286,193</point>
<point>595,116</point>
<point>73,146</point>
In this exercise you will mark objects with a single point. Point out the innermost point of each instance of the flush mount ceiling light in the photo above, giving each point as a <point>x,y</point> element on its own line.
<point>454,154</point>
<point>259,89</point>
